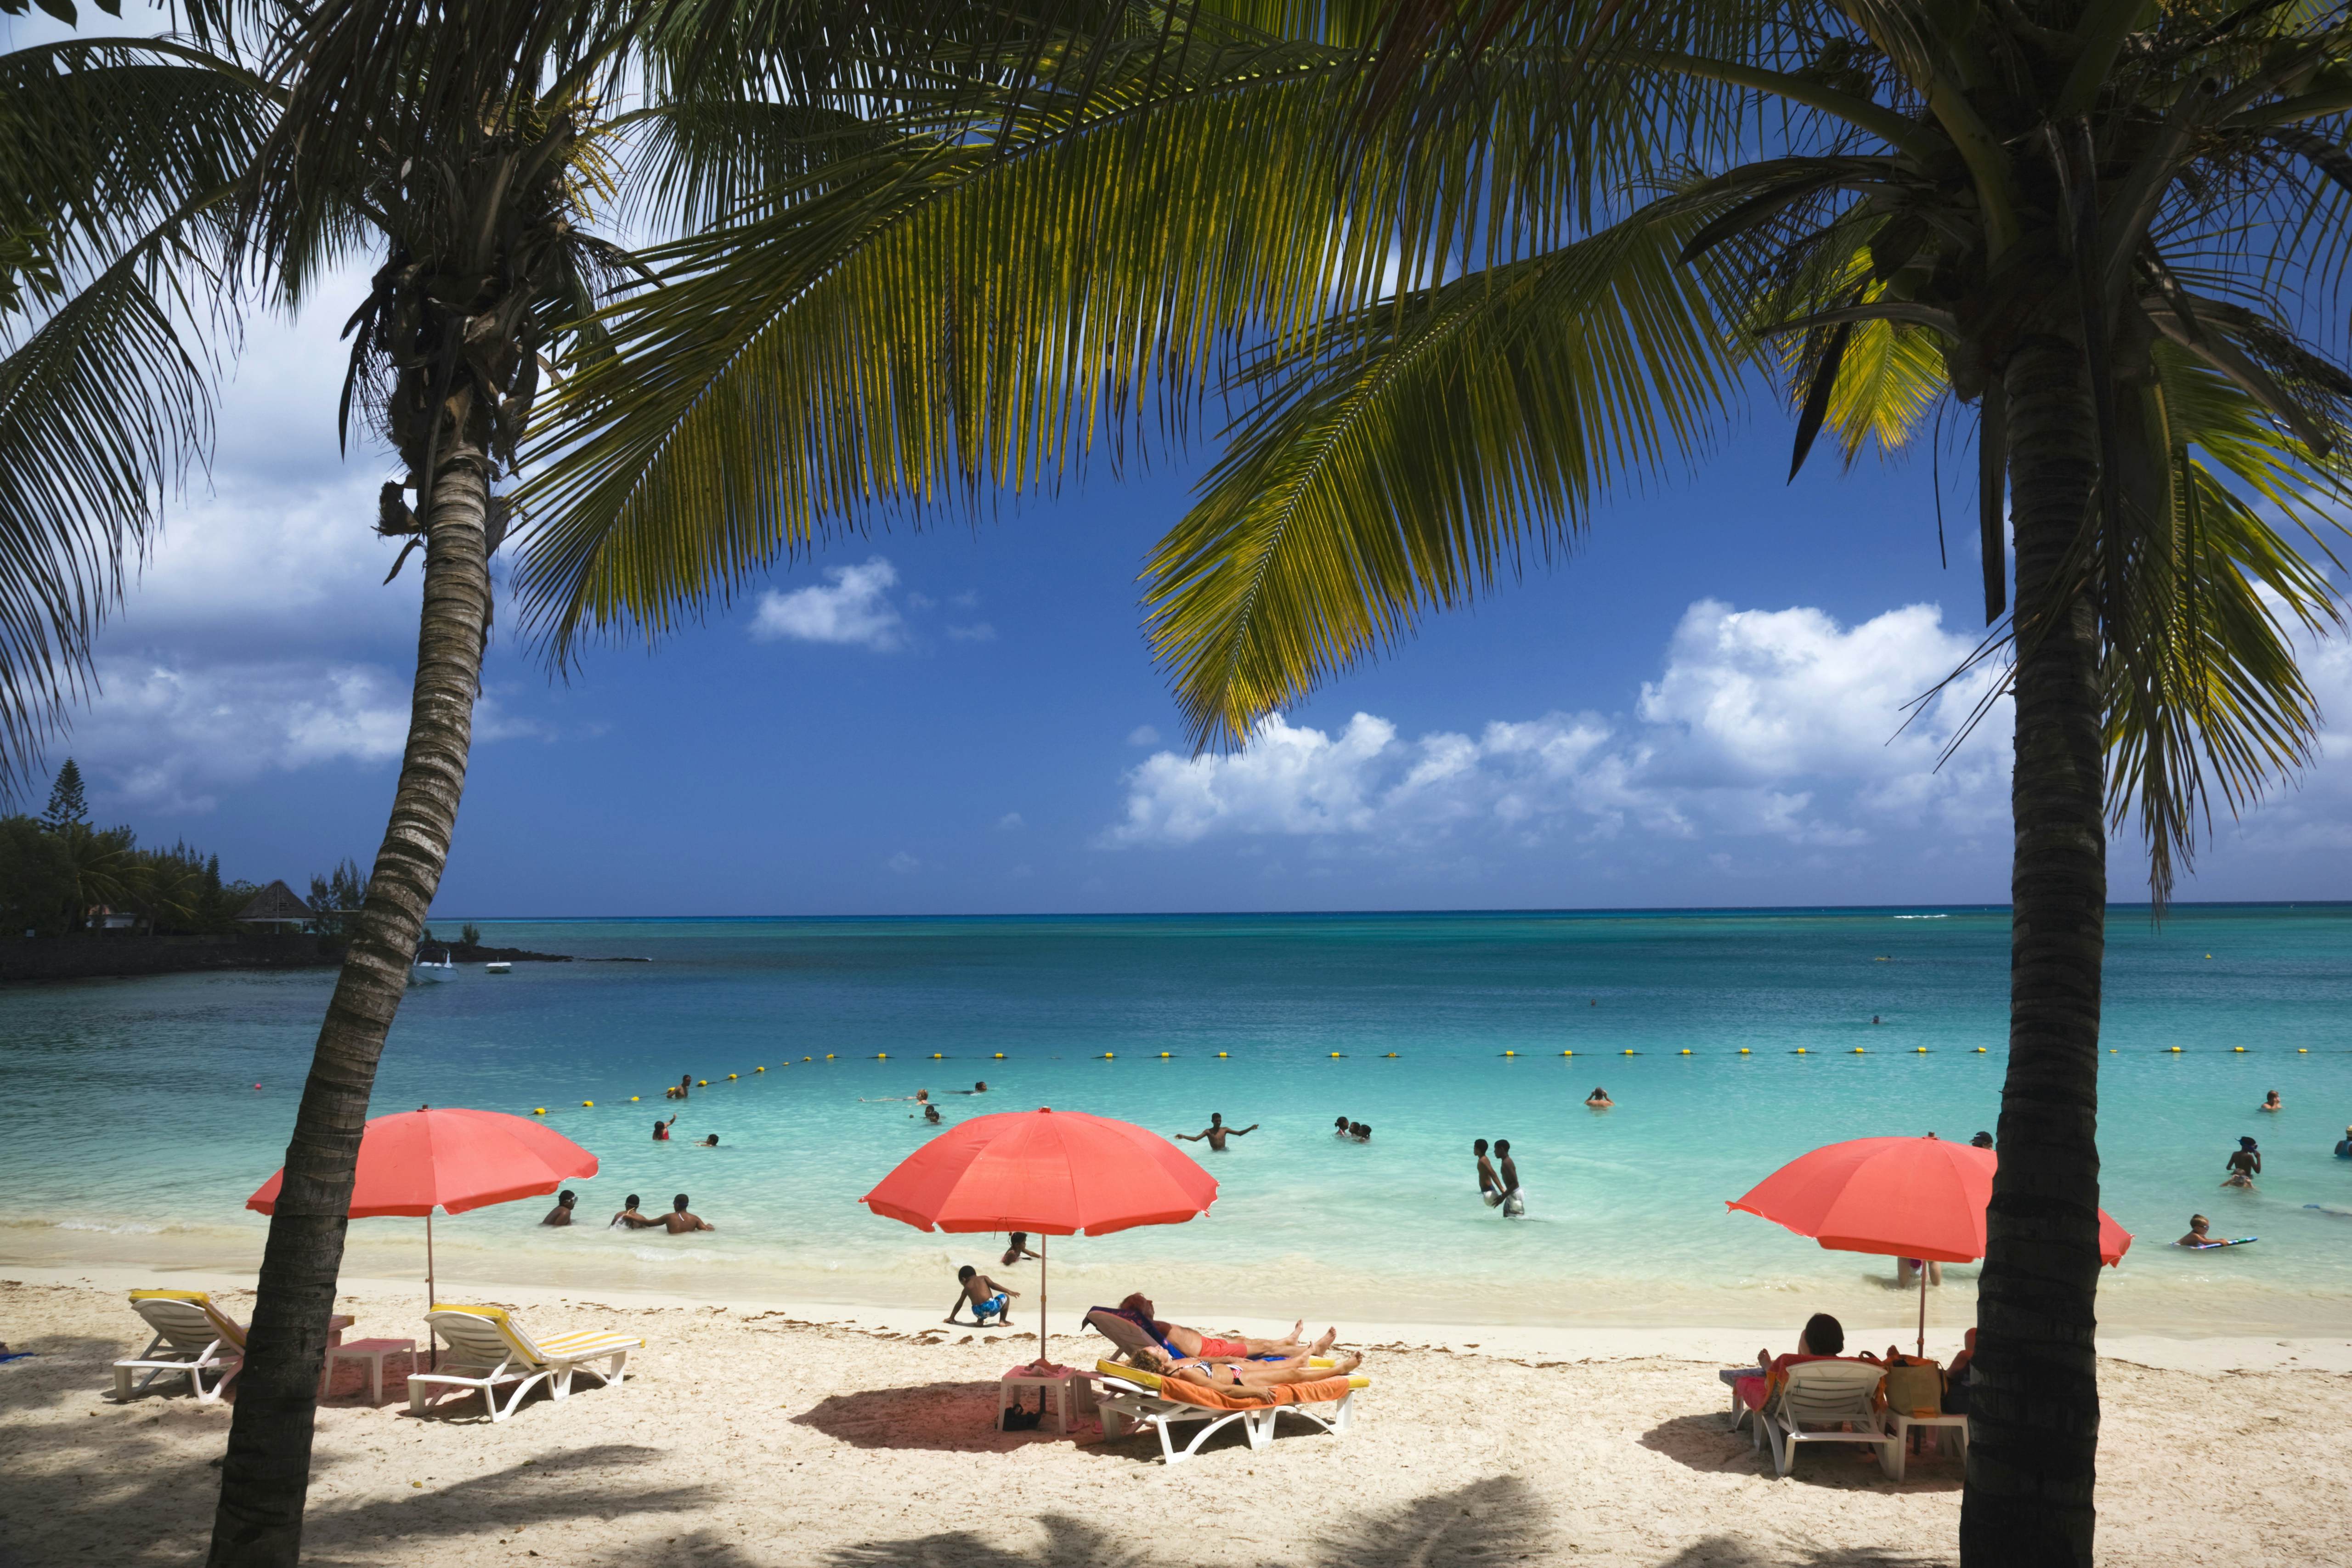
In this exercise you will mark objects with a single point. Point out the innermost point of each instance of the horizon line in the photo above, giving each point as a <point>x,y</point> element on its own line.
<point>1610,910</point>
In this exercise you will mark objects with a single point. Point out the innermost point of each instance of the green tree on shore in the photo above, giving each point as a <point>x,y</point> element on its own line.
<point>68,803</point>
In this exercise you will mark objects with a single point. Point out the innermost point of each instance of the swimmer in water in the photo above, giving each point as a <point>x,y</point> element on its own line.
<point>630,1217</point>
<point>709,1142</point>
<point>920,1097</point>
<point>661,1130</point>
<point>2271,1101</point>
<point>561,1213</point>
<point>1490,1186</point>
<point>1361,1131</point>
<point>2245,1166</point>
<point>931,1114</point>
<point>684,1082</point>
<point>2344,1149</point>
<point>1339,1129</point>
<point>1981,1140</point>
<point>1515,1202</point>
<point>2196,1236</point>
<point>1599,1098</point>
<point>1216,1132</point>
<point>1018,1250</point>
<point>980,1088</point>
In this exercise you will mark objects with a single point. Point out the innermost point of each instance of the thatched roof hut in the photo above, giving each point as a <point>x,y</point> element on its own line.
<point>277,905</point>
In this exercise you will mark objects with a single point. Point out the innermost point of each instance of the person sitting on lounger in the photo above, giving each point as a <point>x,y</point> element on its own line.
<point>630,1217</point>
<point>1192,1344</point>
<point>1245,1375</point>
<point>986,1297</point>
<point>1823,1339</point>
<point>679,1220</point>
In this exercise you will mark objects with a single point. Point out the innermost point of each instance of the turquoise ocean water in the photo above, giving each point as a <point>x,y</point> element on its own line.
<point>139,1133</point>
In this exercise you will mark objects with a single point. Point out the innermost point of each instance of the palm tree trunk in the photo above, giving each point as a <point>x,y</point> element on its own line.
<point>2034,1409</point>
<point>267,1473</point>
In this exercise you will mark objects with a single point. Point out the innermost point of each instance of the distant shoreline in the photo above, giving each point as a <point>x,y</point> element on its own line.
<point>125,956</point>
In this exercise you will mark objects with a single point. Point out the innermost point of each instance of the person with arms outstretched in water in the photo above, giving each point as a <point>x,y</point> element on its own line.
<point>1216,1132</point>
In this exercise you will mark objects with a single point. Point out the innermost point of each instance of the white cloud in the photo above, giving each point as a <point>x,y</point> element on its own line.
<point>1780,725</point>
<point>979,631</point>
<point>902,863</point>
<point>1010,823</point>
<point>853,608</point>
<point>1143,735</point>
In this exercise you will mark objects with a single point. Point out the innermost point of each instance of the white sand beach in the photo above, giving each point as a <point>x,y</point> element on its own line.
<point>760,1436</point>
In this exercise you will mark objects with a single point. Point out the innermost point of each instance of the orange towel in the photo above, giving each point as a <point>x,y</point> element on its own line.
<point>1323,1391</point>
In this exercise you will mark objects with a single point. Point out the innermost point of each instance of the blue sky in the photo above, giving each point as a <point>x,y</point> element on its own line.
<point>1699,708</point>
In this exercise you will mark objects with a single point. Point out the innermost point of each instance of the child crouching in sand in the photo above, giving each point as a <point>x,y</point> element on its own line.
<point>985,1295</point>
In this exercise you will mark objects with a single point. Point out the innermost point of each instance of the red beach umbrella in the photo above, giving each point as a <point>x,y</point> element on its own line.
<point>1048,1172</point>
<point>1902,1197</point>
<point>419,1161</point>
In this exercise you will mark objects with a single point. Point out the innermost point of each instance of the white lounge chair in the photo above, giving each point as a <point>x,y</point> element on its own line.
<point>192,1337</point>
<point>1129,1397</point>
<point>1834,1393</point>
<point>488,1347</point>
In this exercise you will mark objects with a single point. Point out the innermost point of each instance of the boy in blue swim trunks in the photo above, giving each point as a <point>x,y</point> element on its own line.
<point>985,1295</point>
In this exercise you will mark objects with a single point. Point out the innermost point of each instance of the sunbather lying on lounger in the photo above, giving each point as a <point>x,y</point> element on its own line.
<point>1246,1374</point>
<point>1192,1344</point>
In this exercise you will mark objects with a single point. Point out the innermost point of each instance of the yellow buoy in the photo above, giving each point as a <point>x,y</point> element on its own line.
<point>1981,1050</point>
<point>1510,1053</point>
<point>702,1083</point>
<point>1686,1050</point>
<point>1918,1050</point>
<point>1387,1055</point>
<point>1743,1050</point>
<point>2209,955</point>
<point>2241,1049</point>
<point>1334,1052</point>
<point>1165,1054</point>
<point>937,1056</point>
<point>808,1058</point>
<point>2174,1049</point>
<point>1858,1050</point>
<point>759,1070</point>
<point>1107,1055</point>
<point>633,1099</point>
<point>540,1111</point>
<point>1629,1053</point>
<point>998,1057</point>
<point>2303,1050</point>
<point>731,1076</point>
<point>1225,1053</point>
<point>828,1056</point>
<point>1801,1051</point>
<point>588,1104</point>
<point>1567,1053</point>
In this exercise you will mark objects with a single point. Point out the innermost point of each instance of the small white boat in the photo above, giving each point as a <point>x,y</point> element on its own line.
<point>498,966</point>
<point>426,972</point>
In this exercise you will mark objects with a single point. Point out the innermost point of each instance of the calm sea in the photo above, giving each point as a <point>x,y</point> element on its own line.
<point>140,1132</point>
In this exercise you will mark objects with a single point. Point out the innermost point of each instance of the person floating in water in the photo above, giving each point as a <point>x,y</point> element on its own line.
<point>2245,1166</point>
<point>1599,1098</point>
<point>561,1213</point>
<point>985,1295</point>
<point>1342,1128</point>
<point>661,1130</point>
<point>679,1220</point>
<point>920,1097</point>
<point>980,1088</point>
<point>1981,1140</point>
<point>2271,1101</point>
<point>709,1142</point>
<point>931,1114</point>
<point>1490,1185</point>
<point>1018,1250</point>
<point>1515,1202</point>
<point>2198,1225</point>
<point>1216,1132</point>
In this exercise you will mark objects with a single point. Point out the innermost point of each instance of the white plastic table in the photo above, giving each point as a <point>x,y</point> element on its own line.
<point>1957,1425</point>
<point>371,1351</point>
<point>1058,1378</point>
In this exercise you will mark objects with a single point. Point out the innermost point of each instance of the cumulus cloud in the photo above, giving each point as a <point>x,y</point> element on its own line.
<point>852,607</point>
<point>1774,724</point>
<point>1143,735</point>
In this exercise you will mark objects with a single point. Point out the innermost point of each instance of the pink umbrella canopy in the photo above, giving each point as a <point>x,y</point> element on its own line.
<point>417,1161</point>
<point>1905,1197</point>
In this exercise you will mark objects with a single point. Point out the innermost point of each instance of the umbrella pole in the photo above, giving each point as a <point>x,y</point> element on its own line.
<point>430,1290</point>
<point>1923,1308</point>
<point>1042,1239</point>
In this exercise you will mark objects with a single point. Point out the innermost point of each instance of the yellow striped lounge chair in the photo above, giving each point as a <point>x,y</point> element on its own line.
<point>192,1337</point>
<point>488,1347</point>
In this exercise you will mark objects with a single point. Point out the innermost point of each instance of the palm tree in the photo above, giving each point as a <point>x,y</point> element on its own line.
<point>1464,266</point>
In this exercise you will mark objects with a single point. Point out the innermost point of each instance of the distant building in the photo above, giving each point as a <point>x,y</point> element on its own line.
<point>280,907</point>
<point>104,919</point>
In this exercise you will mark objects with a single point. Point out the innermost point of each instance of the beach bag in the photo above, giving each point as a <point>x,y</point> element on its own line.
<point>1915,1387</point>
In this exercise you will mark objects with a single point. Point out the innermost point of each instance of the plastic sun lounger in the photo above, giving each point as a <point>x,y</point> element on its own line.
<point>1834,1393</point>
<point>488,1347</point>
<point>1129,1396</point>
<point>192,1337</point>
